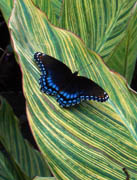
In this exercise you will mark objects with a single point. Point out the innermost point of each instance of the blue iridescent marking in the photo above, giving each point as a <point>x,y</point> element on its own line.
<point>70,101</point>
<point>82,97</point>
<point>51,83</point>
<point>61,99</point>
<point>42,65</point>
<point>65,93</point>
<point>48,78</point>
<point>75,95</point>
<point>54,92</point>
<point>44,72</point>
<point>44,83</point>
<point>68,96</point>
<point>87,97</point>
<point>57,88</point>
<point>40,80</point>
<point>91,97</point>
<point>39,62</point>
<point>61,92</point>
<point>43,79</point>
<point>44,89</point>
<point>71,96</point>
<point>43,76</point>
<point>78,100</point>
<point>48,91</point>
<point>42,69</point>
<point>74,101</point>
<point>58,96</point>
<point>68,105</point>
<point>54,86</point>
<point>95,98</point>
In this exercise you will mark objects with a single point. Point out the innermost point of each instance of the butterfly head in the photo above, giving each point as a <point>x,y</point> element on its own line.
<point>75,73</point>
<point>38,56</point>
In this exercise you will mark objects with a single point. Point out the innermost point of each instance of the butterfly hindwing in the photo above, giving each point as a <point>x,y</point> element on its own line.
<point>69,89</point>
<point>80,89</point>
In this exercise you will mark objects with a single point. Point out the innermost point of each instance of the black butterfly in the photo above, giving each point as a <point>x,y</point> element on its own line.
<point>69,89</point>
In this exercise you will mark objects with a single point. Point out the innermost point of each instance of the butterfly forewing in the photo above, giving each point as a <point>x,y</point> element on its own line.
<point>55,74</point>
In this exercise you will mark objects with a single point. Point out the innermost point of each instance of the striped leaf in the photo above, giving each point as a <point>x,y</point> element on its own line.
<point>123,58</point>
<point>52,8</point>
<point>57,4</point>
<point>9,169</point>
<point>6,8</point>
<point>20,160</point>
<point>105,27</point>
<point>47,8</point>
<point>100,24</point>
<point>92,140</point>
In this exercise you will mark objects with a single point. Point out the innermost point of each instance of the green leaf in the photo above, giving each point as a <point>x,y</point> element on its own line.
<point>100,24</point>
<point>57,4</point>
<point>123,58</point>
<point>52,9</point>
<point>6,8</point>
<point>9,169</point>
<point>107,27</point>
<point>92,140</point>
<point>23,160</point>
<point>47,8</point>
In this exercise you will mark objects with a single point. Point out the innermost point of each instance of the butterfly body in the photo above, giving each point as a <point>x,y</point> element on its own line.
<point>58,80</point>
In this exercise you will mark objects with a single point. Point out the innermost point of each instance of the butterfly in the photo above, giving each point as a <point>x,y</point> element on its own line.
<point>69,88</point>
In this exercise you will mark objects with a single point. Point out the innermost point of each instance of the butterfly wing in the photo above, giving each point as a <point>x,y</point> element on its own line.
<point>55,74</point>
<point>70,89</point>
<point>79,89</point>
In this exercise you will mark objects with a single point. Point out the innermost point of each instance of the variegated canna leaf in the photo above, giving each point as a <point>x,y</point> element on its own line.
<point>93,140</point>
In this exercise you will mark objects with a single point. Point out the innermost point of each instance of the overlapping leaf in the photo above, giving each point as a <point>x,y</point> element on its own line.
<point>21,161</point>
<point>52,8</point>
<point>10,170</point>
<point>93,140</point>
<point>123,58</point>
<point>103,26</point>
